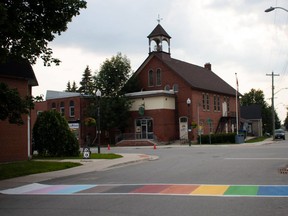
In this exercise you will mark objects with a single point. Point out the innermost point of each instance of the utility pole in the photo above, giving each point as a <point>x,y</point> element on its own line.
<point>272,102</point>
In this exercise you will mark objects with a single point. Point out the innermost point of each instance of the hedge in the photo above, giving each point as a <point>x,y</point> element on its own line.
<point>222,138</point>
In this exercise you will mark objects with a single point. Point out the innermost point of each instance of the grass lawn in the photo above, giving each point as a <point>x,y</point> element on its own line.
<point>257,139</point>
<point>17,169</point>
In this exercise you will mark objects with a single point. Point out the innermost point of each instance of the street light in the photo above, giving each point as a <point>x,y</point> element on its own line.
<point>98,95</point>
<point>273,8</point>
<point>189,129</point>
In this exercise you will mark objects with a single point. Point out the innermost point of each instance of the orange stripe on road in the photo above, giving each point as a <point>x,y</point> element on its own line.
<point>179,189</point>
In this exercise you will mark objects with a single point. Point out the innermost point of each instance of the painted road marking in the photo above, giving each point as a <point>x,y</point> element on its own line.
<point>153,189</point>
<point>255,158</point>
<point>210,190</point>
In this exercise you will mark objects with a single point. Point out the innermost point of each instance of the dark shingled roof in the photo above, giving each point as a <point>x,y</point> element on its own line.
<point>20,70</point>
<point>197,77</point>
<point>252,111</point>
<point>158,31</point>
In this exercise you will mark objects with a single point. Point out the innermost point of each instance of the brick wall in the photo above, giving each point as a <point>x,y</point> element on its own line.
<point>195,112</point>
<point>14,138</point>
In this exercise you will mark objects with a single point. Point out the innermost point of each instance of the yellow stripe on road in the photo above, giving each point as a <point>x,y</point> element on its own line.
<point>210,190</point>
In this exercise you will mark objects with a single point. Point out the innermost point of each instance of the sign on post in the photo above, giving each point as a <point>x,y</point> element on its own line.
<point>86,153</point>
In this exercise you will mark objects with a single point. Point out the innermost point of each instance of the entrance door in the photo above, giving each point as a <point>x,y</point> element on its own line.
<point>144,129</point>
<point>183,127</point>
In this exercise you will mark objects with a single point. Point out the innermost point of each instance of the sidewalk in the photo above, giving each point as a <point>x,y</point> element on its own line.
<point>89,165</point>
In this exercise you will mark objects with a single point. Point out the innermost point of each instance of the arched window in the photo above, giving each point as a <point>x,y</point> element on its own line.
<point>167,87</point>
<point>158,77</point>
<point>150,78</point>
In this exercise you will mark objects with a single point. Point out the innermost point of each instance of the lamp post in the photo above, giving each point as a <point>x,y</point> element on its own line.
<point>98,95</point>
<point>189,125</point>
<point>272,100</point>
<point>273,8</point>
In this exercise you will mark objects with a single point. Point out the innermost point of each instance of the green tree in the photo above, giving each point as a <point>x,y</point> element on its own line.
<point>68,87</point>
<point>113,75</point>
<point>72,88</point>
<point>86,84</point>
<point>111,79</point>
<point>52,136</point>
<point>38,98</point>
<point>253,97</point>
<point>12,106</point>
<point>27,26</point>
<point>286,119</point>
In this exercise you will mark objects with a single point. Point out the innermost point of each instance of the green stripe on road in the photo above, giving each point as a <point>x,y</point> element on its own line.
<point>241,190</point>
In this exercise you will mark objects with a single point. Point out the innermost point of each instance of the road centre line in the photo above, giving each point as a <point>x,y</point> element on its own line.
<point>255,158</point>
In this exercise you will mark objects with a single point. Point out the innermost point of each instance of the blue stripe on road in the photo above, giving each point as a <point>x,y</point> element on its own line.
<point>273,190</point>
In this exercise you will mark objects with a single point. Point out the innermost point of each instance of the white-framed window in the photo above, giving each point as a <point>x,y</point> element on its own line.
<point>227,100</point>
<point>62,108</point>
<point>71,109</point>
<point>205,101</point>
<point>218,103</point>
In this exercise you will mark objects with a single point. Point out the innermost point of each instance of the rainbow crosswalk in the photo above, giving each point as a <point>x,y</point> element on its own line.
<point>154,189</point>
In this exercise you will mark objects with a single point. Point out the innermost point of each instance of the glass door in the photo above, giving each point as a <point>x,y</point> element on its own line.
<point>144,129</point>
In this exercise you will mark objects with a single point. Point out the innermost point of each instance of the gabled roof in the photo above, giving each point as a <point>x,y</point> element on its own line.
<point>158,31</point>
<point>252,111</point>
<point>197,77</point>
<point>20,70</point>
<point>50,94</point>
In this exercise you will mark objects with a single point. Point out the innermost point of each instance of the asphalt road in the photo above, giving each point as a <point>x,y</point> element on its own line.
<point>225,165</point>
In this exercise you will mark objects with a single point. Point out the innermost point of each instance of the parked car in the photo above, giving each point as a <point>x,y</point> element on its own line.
<point>279,134</point>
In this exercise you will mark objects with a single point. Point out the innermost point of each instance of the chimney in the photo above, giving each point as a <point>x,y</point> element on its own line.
<point>207,66</point>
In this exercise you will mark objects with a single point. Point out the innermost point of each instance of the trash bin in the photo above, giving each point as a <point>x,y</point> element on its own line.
<point>239,138</point>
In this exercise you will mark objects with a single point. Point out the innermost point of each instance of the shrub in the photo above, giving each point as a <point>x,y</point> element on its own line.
<point>53,137</point>
<point>222,138</point>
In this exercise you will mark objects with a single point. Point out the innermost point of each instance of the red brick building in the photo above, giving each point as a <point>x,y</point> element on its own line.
<point>15,140</point>
<point>176,95</point>
<point>73,106</point>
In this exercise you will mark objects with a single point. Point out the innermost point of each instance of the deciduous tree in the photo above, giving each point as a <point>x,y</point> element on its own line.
<point>53,137</point>
<point>27,26</point>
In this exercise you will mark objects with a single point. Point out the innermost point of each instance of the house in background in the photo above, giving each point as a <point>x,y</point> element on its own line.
<point>251,116</point>
<point>15,140</point>
<point>177,95</point>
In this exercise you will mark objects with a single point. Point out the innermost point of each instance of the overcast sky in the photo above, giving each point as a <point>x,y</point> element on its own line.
<point>235,36</point>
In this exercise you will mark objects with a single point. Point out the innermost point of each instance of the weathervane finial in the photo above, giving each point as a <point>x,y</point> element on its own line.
<point>159,19</point>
